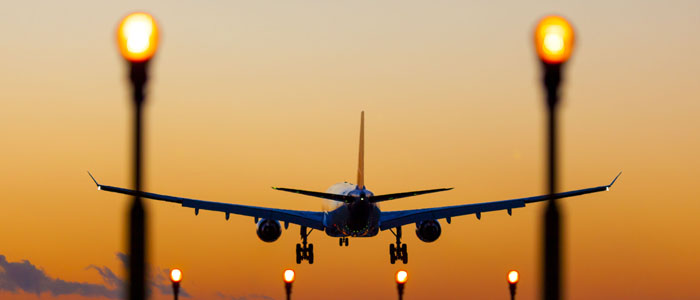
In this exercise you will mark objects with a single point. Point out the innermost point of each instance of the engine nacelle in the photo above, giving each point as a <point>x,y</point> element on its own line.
<point>269,230</point>
<point>428,231</point>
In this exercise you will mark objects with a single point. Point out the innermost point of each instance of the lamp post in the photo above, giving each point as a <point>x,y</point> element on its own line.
<point>401,278</point>
<point>513,278</point>
<point>288,277</point>
<point>137,38</point>
<point>176,277</point>
<point>554,41</point>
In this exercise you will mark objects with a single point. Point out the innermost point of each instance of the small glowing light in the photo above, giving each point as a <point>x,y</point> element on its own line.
<point>288,276</point>
<point>554,39</point>
<point>175,275</point>
<point>513,277</point>
<point>137,36</point>
<point>553,43</point>
<point>401,277</point>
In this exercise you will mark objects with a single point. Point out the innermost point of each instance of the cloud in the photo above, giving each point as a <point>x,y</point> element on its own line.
<point>25,276</point>
<point>159,278</point>
<point>248,297</point>
<point>108,276</point>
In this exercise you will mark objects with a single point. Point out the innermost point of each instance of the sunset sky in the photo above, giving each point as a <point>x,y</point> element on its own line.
<point>252,94</point>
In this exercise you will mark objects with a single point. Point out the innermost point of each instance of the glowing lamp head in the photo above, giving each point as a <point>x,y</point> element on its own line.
<point>137,37</point>
<point>401,277</point>
<point>175,275</point>
<point>554,39</point>
<point>513,277</point>
<point>289,276</point>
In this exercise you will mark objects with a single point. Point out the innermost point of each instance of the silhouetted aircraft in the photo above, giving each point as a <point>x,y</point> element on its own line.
<point>355,213</point>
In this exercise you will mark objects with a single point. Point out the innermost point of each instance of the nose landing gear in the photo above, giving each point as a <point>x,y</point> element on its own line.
<point>398,251</point>
<point>304,251</point>
<point>343,241</point>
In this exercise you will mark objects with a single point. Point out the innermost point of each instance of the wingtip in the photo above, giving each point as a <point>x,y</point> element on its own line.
<point>615,179</point>
<point>93,179</point>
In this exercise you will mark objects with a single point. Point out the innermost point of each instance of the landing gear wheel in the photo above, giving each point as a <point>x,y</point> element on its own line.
<point>347,241</point>
<point>398,251</point>
<point>310,255</point>
<point>299,256</point>
<point>404,253</point>
<point>305,251</point>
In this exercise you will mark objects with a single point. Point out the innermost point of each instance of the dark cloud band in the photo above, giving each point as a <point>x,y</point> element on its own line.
<point>24,276</point>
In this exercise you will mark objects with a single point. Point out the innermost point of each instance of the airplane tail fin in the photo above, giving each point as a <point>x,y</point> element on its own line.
<point>361,158</point>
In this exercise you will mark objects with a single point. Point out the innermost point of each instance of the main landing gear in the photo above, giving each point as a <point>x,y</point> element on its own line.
<point>304,251</point>
<point>343,241</point>
<point>398,251</point>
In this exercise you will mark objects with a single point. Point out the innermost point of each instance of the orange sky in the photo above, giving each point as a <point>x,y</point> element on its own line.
<point>249,95</point>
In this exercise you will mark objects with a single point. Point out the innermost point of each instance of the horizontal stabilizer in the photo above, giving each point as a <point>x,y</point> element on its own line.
<point>386,197</point>
<point>334,197</point>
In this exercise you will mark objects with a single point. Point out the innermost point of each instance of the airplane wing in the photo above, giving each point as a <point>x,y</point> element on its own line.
<point>392,219</point>
<point>310,219</point>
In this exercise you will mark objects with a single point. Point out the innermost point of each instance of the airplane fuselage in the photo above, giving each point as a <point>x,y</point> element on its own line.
<point>359,218</point>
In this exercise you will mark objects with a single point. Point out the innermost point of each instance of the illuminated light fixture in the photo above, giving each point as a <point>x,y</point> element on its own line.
<point>513,277</point>
<point>175,275</point>
<point>289,276</point>
<point>554,39</point>
<point>401,277</point>
<point>137,37</point>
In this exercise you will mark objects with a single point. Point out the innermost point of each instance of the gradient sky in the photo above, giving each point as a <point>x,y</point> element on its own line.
<point>246,95</point>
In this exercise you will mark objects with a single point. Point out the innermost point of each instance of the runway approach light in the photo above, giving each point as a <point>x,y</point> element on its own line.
<point>554,39</point>
<point>401,277</point>
<point>288,280</point>
<point>513,277</point>
<point>137,37</point>
<point>175,275</point>
<point>289,276</point>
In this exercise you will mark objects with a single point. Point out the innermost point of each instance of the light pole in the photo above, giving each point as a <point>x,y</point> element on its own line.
<point>513,278</point>
<point>401,278</point>
<point>288,277</point>
<point>176,277</point>
<point>554,41</point>
<point>137,37</point>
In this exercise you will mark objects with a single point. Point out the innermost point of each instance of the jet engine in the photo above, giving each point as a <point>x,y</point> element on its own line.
<point>428,231</point>
<point>269,230</point>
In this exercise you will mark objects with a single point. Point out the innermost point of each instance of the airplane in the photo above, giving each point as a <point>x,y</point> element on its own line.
<point>355,212</point>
